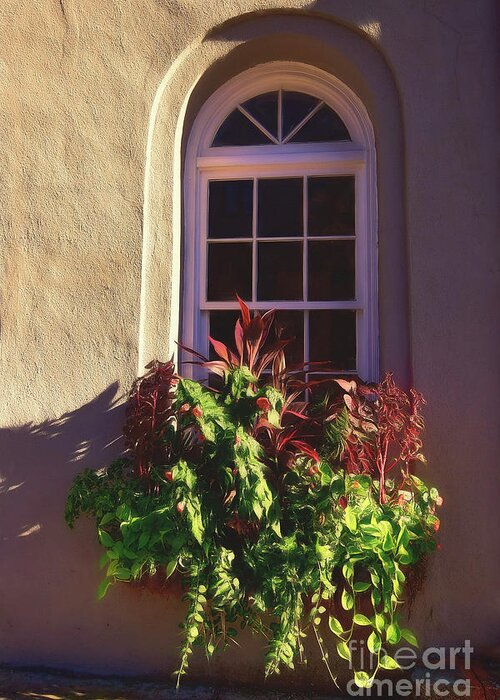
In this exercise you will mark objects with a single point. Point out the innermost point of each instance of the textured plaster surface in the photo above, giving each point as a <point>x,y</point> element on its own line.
<point>96,98</point>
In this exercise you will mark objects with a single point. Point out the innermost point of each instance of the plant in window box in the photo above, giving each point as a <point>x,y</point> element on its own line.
<point>276,513</point>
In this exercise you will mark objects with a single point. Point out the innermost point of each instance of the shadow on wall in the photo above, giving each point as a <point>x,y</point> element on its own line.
<point>323,10</point>
<point>39,462</point>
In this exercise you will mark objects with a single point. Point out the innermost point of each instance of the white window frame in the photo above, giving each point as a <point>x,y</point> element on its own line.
<point>355,157</point>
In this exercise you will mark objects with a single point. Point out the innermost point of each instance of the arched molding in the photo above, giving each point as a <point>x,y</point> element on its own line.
<point>193,77</point>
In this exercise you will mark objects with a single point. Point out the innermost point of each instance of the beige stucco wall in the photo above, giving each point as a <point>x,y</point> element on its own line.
<point>97,98</point>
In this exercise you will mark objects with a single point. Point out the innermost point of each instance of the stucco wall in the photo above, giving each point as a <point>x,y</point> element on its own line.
<point>97,98</point>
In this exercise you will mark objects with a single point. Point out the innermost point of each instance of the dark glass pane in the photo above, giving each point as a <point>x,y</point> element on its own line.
<point>222,328</point>
<point>280,207</point>
<point>237,130</point>
<point>325,125</point>
<point>229,271</point>
<point>290,325</point>
<point>230,206</point>
<point>332,337</point>
<point>279,271</point>
<point>331,206</point>
<point>331,270</point>
<point>295,107</point>
<point>264,108</point>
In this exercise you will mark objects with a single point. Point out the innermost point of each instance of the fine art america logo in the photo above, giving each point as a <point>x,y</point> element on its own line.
<point>432,676</point>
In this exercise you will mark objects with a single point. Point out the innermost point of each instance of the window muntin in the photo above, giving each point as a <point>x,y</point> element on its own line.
<point>357,326</point>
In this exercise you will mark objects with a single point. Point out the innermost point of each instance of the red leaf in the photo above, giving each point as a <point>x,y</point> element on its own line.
<point>220,349</point>
<point>245,313</point>
<point>302,416</point>
<point>253,338</point>
<point>267,320</point>
<point>215,366</point>
<point>306,449</point>
<point>238,339</point>
<point>191,351</point>
<point>345,385</point>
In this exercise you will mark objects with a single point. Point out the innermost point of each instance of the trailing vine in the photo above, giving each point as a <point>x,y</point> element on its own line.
<point>285,516</point>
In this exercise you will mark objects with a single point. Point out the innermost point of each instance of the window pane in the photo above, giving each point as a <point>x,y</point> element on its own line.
<point>331,204</point>
<point>237,130</point>
<point>229,271</point>
<point>325,125</point>
<point>332,337</point>
<point>279,271</point>
<point>264,108</point>
<point>296,106</point>
<point>331,270</point>
<point>280,207</point>
<point>291,324</point>
<point>230,205</point>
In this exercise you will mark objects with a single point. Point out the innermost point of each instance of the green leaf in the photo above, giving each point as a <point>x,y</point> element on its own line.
<point>335,626</point>
<point>373,643</point>
<point>103,587</point>
<point>360,587</point>
<point>276,527</point>
<point>350,519</point>
<point>343,651</point>
<point>347,600</point>
<point>107,518</point>
<point>371,530</point>
<point>170,568</point>
<point>379,622</point>
<point>202,589</point>
<point>388,543</point>
<point>143,540</point>
<point>409,636</point>
<point>348,570</point>
<point>393,634</point>
<point>123,573</point>
<point>362,679</point>
<point>105,539</point>
<point>388,663</point>
<point>123,511</point>
<point>361,620</point>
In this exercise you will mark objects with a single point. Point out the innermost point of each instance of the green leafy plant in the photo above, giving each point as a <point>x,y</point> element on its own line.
<point>276,513</point>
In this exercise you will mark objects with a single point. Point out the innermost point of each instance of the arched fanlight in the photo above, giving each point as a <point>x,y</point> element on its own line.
<point>281,117</point>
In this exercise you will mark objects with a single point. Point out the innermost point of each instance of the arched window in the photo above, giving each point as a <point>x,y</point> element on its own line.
<point>280,206</point>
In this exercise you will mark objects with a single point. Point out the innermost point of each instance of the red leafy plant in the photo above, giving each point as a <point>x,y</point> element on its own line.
<point>383,427</point>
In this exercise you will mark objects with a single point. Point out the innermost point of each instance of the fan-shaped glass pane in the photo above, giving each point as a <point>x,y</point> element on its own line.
<point>324,125</point>
<point>264,108</point>
<point>295,107</point>
<point>238,130</point>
